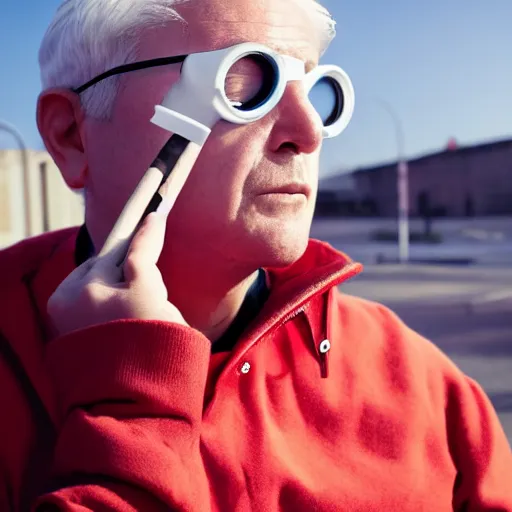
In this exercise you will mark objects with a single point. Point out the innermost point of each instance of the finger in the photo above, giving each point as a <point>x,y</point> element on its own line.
<point>110,267</point>
<point>81,271</point>
<point>147,245</point>
<point>106,269</point>
<point>129,218</point>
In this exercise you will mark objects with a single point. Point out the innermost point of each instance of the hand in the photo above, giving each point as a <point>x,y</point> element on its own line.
<point>101,291</point>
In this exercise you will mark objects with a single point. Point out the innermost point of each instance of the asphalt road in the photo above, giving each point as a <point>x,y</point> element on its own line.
<point>484,241</point>
<point>359,230</point>
<point>467,312</point>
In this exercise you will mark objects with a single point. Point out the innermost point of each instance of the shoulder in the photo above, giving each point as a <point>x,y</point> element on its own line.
<point>398,361</point>
<point>27,256</point>
<point>29,273</point>
<point>376,319</point>
<point>389,343</point>
<point>399,371</point>
<point>28,270</point>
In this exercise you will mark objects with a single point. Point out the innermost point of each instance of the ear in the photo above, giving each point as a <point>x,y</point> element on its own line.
<point>60,118</point>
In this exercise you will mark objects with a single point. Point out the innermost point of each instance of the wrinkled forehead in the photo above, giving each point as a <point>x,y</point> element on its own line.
<point>300,28</point>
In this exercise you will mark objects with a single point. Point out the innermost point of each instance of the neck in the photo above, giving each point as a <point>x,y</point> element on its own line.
<point>208,294</point>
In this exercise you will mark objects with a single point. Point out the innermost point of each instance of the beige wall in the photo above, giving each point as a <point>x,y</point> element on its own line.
<point>65,208</point>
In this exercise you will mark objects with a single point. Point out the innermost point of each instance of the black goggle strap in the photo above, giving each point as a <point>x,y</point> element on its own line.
<point>126,68</point>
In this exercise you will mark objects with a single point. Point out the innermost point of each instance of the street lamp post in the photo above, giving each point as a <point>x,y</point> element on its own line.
<point>402,184</point>
<point>24,165</point>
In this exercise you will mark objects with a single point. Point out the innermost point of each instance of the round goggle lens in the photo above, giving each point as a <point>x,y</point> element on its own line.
<point>326,96</point>
<point>251,81</point>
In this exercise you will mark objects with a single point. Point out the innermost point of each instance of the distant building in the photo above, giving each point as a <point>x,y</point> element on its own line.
<point>52,204</point>
<point>457,182</point>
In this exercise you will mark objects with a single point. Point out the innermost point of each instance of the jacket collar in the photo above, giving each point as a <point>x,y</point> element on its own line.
<point>320,269</point>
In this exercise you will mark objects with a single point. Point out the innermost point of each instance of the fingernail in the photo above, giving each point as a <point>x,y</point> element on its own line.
<point>164,208</point>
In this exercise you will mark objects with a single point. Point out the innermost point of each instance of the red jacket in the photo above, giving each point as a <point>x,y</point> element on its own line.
<point>137,416</point>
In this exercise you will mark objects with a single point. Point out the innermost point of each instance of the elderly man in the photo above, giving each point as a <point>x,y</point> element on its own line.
<point>222,370</point>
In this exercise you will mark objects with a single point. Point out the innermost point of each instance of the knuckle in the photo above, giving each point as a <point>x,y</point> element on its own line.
<point>91,293</point>
<point>131,264</point>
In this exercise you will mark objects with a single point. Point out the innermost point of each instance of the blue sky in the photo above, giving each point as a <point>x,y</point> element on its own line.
<point>445,66</point>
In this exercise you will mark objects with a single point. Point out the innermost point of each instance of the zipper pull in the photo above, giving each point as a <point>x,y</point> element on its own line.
<point>324,349</point>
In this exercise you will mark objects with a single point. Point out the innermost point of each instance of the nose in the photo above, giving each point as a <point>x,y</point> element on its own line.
<point>297,125</point>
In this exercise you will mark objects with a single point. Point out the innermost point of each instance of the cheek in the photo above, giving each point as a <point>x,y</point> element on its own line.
<point>120,151</point>
<point>312,163</point>
<point>225,164</point>
<point>126,145</point>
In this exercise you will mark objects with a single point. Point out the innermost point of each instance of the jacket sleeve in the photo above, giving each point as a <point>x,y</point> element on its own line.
<point>131,399</point>
<point>480,451</point>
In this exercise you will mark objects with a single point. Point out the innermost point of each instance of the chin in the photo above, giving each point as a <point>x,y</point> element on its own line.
<point>281,249</point>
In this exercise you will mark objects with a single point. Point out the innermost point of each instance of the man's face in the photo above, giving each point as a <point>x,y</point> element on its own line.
<point>231,206</point>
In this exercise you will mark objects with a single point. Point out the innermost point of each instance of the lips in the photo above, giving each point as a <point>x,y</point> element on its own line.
<point>290,188</point>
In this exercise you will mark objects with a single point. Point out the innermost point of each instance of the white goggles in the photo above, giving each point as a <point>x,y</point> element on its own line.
<point>242,84</point>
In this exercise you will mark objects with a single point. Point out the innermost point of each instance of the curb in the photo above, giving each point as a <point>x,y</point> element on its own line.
<point>383,260</point>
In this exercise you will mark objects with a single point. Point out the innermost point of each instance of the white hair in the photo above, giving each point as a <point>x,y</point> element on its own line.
<point>327,26</point>
<point>88,37</point>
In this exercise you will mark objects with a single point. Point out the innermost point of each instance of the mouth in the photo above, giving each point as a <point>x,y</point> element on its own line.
<point>290,189</point>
